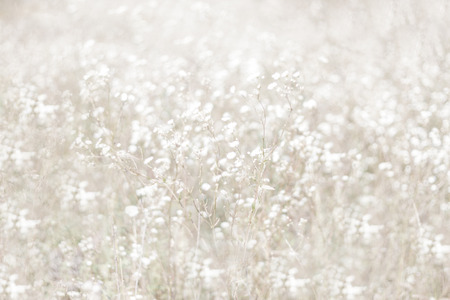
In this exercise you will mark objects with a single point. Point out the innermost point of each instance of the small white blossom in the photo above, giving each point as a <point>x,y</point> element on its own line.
<point>132,211</point>
<point>206,187</point>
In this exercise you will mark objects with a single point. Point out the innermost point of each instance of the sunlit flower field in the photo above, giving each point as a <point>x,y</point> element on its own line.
<point>224,149</point>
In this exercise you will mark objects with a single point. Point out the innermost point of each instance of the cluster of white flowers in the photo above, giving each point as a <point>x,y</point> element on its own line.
<point>224,149</point>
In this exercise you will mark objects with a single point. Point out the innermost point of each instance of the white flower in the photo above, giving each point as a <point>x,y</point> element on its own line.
<point>132,211</point>
<point>231,155</point>
<point>206,187</point>
<point>272,86</point>
<point>267,187</point>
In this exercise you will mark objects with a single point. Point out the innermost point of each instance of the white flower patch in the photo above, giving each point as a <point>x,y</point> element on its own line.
<point>268,161</point>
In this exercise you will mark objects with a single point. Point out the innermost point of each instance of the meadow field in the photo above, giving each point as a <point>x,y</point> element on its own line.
<point>224,149</point>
